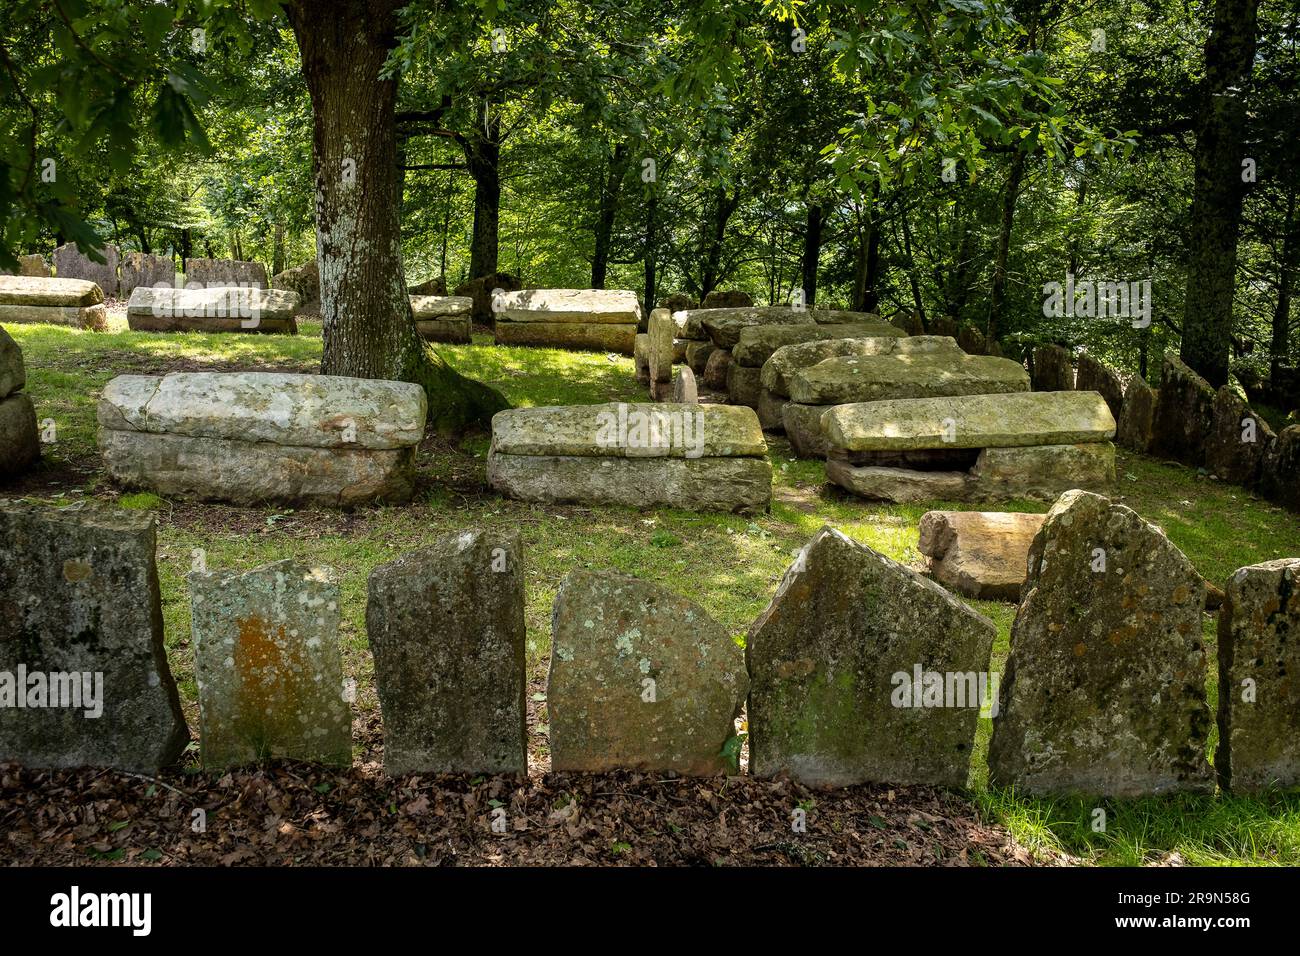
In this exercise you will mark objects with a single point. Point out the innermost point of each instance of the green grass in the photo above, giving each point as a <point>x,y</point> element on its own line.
<point>730,565</point>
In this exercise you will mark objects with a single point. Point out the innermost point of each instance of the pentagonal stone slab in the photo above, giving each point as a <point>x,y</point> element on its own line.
<point>1104,692</point>
<point>827,704</point>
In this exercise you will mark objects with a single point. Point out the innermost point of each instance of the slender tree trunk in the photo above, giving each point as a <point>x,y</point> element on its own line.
<point>812,249</point>
<point>369,330</point>
<point>607,213</point>
<point>1279,346</point>
<point>1216,202</point>
<point>446,227</point>
<point>651,251</point>
<point>277,250</point>
<point>998,296</point>
<point>723,207</point>
<point>483,156</point>
<point>911,270</point>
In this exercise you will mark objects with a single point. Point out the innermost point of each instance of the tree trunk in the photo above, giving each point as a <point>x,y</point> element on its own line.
<point>1280,344</point>
<point>483,156</point>
<point>1216,202</point>
<point>911,270</point>
<point>651,251</point>
<point>368,327</point>
<point>723,207</point>
<point>812,248</point>
<point>998,296</point>
<point>277,250</point>
<point>866,274</point>
<point>607,213</point>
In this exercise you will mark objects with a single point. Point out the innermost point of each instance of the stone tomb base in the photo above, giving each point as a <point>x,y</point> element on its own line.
<point>1040,472</point>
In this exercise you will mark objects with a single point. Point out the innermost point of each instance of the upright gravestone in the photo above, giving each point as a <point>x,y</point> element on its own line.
<point>71,263</point>
<point>1104,691</point>
<point>863,671</point>
<point>1239,440</point>
<point>641,679</point>
<point>266,658</point>
<point>1053,370</point>
<point>1137,416</point>
<point>1095,376</point>
<point>1184,416</point>
<point>84,679</point>
<point>446,626</point>
<point>145,269</point>
<point>1259,695</point>
<point>19,444</point>
<point>215,273</point>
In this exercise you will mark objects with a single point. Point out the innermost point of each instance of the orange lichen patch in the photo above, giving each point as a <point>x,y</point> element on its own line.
<point>271,676</point>
<point>75,571</point>
<point>1181,594</point>
<point>1080,649</point>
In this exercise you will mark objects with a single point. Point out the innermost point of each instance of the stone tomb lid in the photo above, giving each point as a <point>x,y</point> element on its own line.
<point>1011,420</point>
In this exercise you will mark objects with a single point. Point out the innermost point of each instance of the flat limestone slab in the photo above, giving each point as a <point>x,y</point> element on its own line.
<point>970,421</point>
<point>218,309</point>
<point>841,664</point>
<point>757,343</point>
<point>723,326</point>
<point>267,662</point>
<point>640,678</point>
<point>789,359</point>
<point>446,627</point>
<point>454,331</point>
<point>38,290</point>
<point>314,411</point>
<point>629,430</point>
<point>872,378</point>
<point>91,317</point>
<point>441,306</point>
<point>579,306</point>
<point>81,607</point>
<point>979,554</point>
<point>250,473</point>
<point>600,336</point>
<point>738,485</point>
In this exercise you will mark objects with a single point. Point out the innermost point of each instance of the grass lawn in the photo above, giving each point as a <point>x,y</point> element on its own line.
<point>730,565</point>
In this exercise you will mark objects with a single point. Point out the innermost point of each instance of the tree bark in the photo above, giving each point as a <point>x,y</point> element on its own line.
<point>812,248</point>
<point>723,207</point>
<point>607,213</point>
<point>998,295</point>
<point>1279,346</point>
<point>368,328</point>
<point>483,156</point>
<point>1219,189</point>
<point>651,251</point>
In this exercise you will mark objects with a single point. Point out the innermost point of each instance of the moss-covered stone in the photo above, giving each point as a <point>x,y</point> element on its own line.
<point>826,705</point>
<point>1104,692</point>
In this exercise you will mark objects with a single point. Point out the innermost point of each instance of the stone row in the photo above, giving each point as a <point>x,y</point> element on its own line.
<point>860,670</point>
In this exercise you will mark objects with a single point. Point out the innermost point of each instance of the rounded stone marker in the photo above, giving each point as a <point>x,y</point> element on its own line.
<point>684,388</point>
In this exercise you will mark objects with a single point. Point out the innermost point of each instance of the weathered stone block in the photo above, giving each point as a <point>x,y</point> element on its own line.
<point>1238,442</point>
<point>786,361</point>
<point>1104,692</point>
<point>80,607</point>
<point>1184,415</point>
<point>213,273</point>
<point>1137,418</point>
<point>19,441</point>
<point>979,554</point>
<point>600,336</point>
<point>71,263</point>
<point>1094,376</point>
<point>757,343</point>
<point>640,678</point>
<point>870,378</point>
<point>13,374</point>
<point>742,385</point>
<point>578,306</point>
<point>267,662</point>
<point>833,662</point>
<point>446,627</point>
<point>216,309</point>
<point>142,269</point>
<point>1053,369</point>
<point>1280,480</point>
<point>715,372</point>
<point>1259,697</point>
